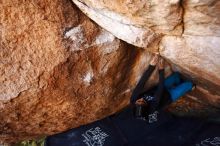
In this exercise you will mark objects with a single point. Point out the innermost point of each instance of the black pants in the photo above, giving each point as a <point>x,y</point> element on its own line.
<point>124,130</point>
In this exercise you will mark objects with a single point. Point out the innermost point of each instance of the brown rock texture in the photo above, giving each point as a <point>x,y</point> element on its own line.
<point>185,32</point>
<point>59,70</point>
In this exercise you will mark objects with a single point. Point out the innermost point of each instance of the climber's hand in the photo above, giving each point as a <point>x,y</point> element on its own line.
<point>140,101</point>
<point>160,63</point>
<point>154,60</point>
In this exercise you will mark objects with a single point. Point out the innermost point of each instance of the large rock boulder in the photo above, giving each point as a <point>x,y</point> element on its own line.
<point>136,22</point>
<point>185,32</point>
<point>197,50</point>
<point>60,70</point>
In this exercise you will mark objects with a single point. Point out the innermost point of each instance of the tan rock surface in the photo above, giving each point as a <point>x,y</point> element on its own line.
<point>199,56</point>
<point>136,22</point>
<point>202,18</point>
<point>60,70</point>
<point>162,16</point>
<point>185,32</point>
<point>197,51</point>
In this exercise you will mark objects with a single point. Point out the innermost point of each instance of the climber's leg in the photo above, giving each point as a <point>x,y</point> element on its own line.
<point>180,90</point>
<point>173,79</point>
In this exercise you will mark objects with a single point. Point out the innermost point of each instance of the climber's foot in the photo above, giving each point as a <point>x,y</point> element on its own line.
<point>140,101</point>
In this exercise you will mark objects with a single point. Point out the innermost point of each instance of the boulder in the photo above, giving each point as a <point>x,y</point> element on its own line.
<point>185,32</point>
<point>60,70</point>
<point>136,22</point>
<point>197,51</point>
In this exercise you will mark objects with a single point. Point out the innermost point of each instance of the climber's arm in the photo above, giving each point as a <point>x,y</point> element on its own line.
<point>160,89</point>
<point>138,89</point>
<point>154,104</point>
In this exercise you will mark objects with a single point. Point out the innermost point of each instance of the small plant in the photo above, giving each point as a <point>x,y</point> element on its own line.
<point>39,142</point>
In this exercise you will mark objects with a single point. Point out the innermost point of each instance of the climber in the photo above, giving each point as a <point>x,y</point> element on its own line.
<point>124,129</point>
<point>149,102</point>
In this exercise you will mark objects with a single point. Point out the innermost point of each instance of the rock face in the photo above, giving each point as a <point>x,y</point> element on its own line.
<point>60,70</point>
<point>185,32</point>
<point>197,50</point>
<point>200,41</point>
<point>136,22</point>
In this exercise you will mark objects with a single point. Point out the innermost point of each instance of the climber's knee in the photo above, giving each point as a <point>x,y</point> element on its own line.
<point>173,79</point>
<point>180,90</point>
